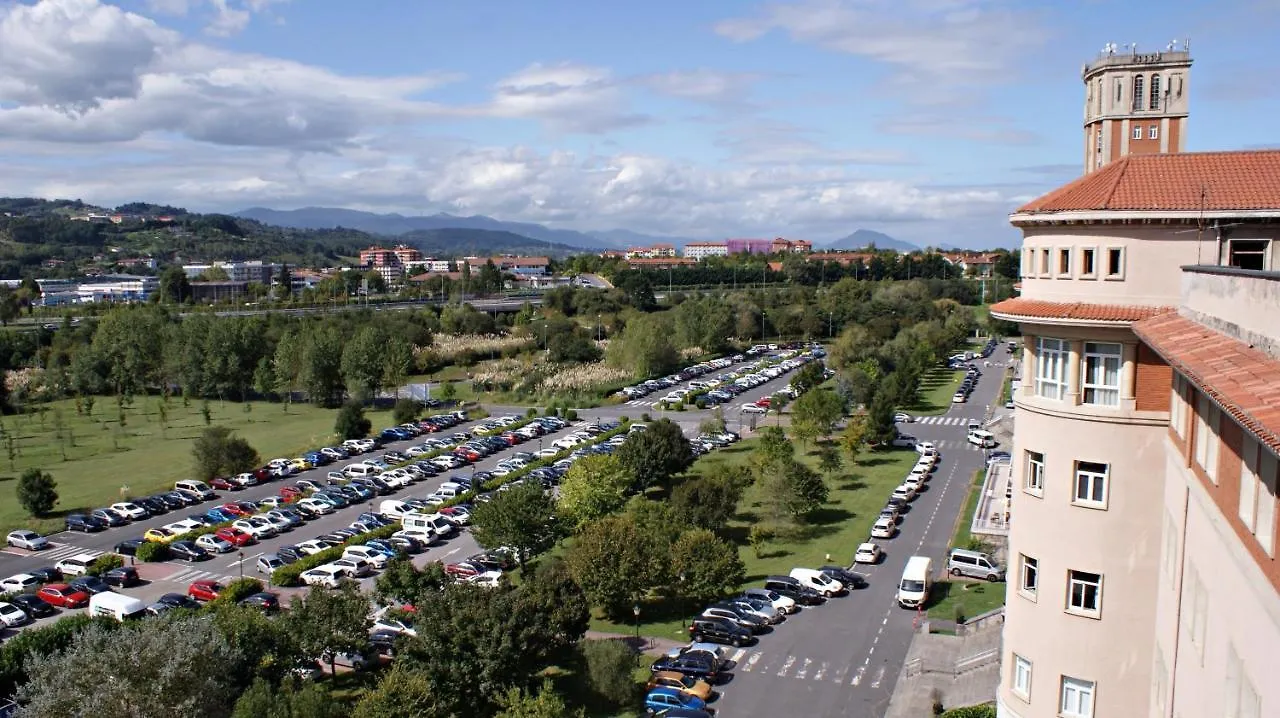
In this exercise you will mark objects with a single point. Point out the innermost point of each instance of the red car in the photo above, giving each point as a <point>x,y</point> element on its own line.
<point>224,484</point>
<point>291,493</point>
<point>462,569</point>
<point>263,474</point>
<point>467,454</point>
<point>204,590</point>
<point>512,438</point>
<point>764,402</point>
<point>235,509</point>
<point>234,536</point>
<point>60,594</point>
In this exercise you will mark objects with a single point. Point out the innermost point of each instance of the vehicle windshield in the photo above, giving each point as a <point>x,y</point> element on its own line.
<point>912,586</point>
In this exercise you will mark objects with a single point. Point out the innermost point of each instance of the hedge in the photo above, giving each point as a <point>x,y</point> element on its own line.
<point>104,563</point>
<point>150,552</point>
<point>234,591</point>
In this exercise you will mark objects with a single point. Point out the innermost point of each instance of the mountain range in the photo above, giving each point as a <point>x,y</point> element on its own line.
<point>428,232</point>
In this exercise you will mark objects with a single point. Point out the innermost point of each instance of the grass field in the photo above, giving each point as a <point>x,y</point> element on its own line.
<point>92,457</point>
<point>964,522</point>
<point>857,494</point>
<point>936,390</point>
<point>972,597</point>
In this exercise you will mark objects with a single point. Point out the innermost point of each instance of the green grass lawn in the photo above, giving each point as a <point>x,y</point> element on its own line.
<point>857,493</point>
<point>970,597</point>
<point>93,456</point>
<point>962,535</point>
<point>936,389</point>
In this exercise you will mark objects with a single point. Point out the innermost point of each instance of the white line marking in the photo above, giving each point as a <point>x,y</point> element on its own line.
<point>840,674</point>
<point>737,655</point>
<point>786,666</point>
<point>875,683</point>
<point>858,678</point>
<point>751,662</point>
<point>804,669</point>
<point>822,671</point>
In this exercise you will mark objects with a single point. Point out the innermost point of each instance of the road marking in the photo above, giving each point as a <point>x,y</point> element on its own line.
<point>751,662</point>
<point>875,682</point>
<point>737,656</point>
<point>786,666</point>
<point>858,678</point>
<point>822,671</point>
<point>804,669</point>
<point>840,674</point>
<point>233,564</point>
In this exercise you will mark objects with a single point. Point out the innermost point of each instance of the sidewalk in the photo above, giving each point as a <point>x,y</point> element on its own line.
<point>645,644</point>
<point>963,670</point>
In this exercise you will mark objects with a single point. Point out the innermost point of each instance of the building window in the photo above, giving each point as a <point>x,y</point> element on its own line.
<point>1196,614</point>
<point>1101,374</point>
<point>1242,698</point>
<point>1248,253</point>
<point>1153,132</point>
<point>1088,262</point>
<point>1115,262</point>
<point>1170,549</point>
<point>1044,262</point>
<point>1119,91</point>
<point>1153,103</point>
<point>1099,140</point>
<point>1077,698</point>
<point>1257,505</point>
<point>1021,676</point>
<point>1064,263</point>
<point>1035,473</point>
<point>1178,406</point>
<point>1091,484</point>
<point>1051,368</point>
<point>1138,97</point>
<point>1207,417</point>
<point>1084,593</point>
<point>1137,132</point>
<point>1030,575</point>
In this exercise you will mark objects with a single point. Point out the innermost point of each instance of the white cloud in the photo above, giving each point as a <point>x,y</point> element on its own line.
<point>703,85</point>
<point>227,19</point>
<point>780,143</point>
<point>567,97</point>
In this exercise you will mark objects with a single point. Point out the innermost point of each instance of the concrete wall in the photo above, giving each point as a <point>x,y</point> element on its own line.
<point>1242,305</point>
<point>1152,260</point>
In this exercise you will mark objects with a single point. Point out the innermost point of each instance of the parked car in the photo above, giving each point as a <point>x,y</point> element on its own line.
<point>214,543</point>
<point>33,604</point>
<point>187,551</point>
<point>91,585</point>
<point>124,576</point>
<point>234,536</point>
<point>19,583</point>
<point>178,600</point>
<point>204,590</point>
<point>718,630</point>
<point>12,616</point>
<point>697,664</point>
<point>85,523</point>
<point>63,596</point>
<point>265,600</point>
<point>25,539</point>
<point>661,700</point>
<point>851,580</point>
<point>867,553</point>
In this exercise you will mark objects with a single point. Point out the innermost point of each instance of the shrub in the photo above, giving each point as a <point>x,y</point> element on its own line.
<point>351,422</point>
<point>646,418</point>
<point>151,551</point>
<point>106,562</point>
<point>982,711</point>
<point>610,664</point>
<point>37,492</point>
<point>406,410</point>
<point>236,590</point>
<point>571,415</point>
<point>531,413</point>
<point>701,403</point>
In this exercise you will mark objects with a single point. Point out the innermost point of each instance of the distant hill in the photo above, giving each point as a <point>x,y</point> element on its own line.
<point>623,238</point>
<point>866,237</point>
<point>397,224</point>
<point>481,242</point>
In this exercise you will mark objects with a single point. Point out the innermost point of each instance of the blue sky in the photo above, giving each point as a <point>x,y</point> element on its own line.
<point>925,119</point>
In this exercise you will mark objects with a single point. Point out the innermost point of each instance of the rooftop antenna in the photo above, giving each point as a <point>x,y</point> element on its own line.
<point>1173,45</point>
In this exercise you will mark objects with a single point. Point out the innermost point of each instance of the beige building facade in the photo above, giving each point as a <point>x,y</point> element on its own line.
<point>1142,583</point>
<point>1136,103</point>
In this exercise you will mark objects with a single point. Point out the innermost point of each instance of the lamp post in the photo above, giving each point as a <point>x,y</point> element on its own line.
<point>241,562</point>
<point>635,611</point>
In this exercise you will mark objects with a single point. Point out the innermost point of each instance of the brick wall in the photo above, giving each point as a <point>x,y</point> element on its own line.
<point>1152,381</point>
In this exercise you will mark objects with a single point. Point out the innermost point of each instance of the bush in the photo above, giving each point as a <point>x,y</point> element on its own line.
<point>701,403</point>
<point>646,418</point>
<point>106,562</point>
<point>571,415</point>
<point>406,410</point>
<point>610,664</point>
<point>37,492</point>
<point>531,413</point>
<point>236,590</point>
<point>219,452</point>
<point>351,422</point>
<point>982,711</point>
<point>151,552</point>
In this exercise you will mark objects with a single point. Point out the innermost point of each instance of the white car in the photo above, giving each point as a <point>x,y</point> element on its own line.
<point>867,553</point>
<point>245,479</point>
<point>926,447</point>
<point>777,600</point>
<point>754,409</point>
<point>258,528</point>
<point>394,625</point>
<point>316,505</point>
<point>279,523</point>
<point>271,502</point>
<point>328,576</point>
<point>903,417</point>
<point>12,616</point>
<point>19,583</point>
<point>884,528</point>
<point>314,546</point>
<point>130,510</point>
<point>904,492</point>
<point>488,579</point>
<point>920,472</point>
<point>352,566</point>
<point>915,482</point>
<point>209,542</point>
<point>29,540</point>
<point>959,398</point>
<point>377,559</point>
<point>182,527</point>
<point>426,538</point>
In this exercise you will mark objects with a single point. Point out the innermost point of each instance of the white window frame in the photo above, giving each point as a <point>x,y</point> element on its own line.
<point>1178,406</point>
<point>1086,272</point>
<point>1076,698</point>
<point>1107,257</point>
<point>1063,253</point>
<point>1021,677</point>
<point>1207,440</point>
<point>1171,549</point>
<point>1095,479</point>
<point>1137,132</point>
<point>1097,363</point>
<point>1052,384</point>
<point>1033,479</point>
<point>1153,132</point>
<point>1082,580</point>
<point>1197,611</point>
<point>1028,568</point>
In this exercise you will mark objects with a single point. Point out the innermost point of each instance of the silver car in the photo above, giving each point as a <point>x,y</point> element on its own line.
<point>29,540</point>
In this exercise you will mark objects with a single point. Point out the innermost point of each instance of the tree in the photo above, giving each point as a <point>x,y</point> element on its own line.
<point>572,347</point>
<point>644,347</point>
<point>594,486</point>
<point>546,703</point>
<point>520,518</point>
<point>829,459</point>
<point>611,562</point>
<point>363,361</point>
<point>706,565</point>
<point>291,700</point>
<point>37,492</point>
<point>610,665</point>
<point>284,282</point>
<point>879,421</point>
<point>403,582</point>
<point>808,377</point>
<point>174,285</point>
<point>397,363</point>
<point>707,502</point>
<point>351,422</point>
<point>816,413</point>
<point>772,448</point>
<point>854,437</point>
<point>790,491</point>
<point>406,410</point>
<point>713,424</point>
<point>326,622</point>
<point>214,274</point>
<point>219,452</point>
<point>404,691</point>
<point>447,392</point>
<point>101,675</point>
<point>656,454</point>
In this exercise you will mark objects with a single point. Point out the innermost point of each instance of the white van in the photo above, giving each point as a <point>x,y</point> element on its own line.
<point>962,562</point>
<point>197,488</point>
<point>450,490</point>
<point>360,471</point>
<point>394,509</point>
<point>116,605</point>
<point>435,523</point>
<point>817,580</point>
<point>917,579</point>
<point>981,438</point>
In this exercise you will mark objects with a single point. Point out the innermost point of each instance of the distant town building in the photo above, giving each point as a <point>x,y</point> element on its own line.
<point>702,250</point>
<point>977,264</point>
<point>253,271</point>
<point>655,251</point>
<point>519,266</point>
<point>390,264</point>
<point>104,288</point>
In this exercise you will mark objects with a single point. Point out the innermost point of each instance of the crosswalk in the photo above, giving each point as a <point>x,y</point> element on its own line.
<point>188,575</point>
<point>644,402</point>
<point>944,420</point>
<point>801,668</point>
<point>59,551</point>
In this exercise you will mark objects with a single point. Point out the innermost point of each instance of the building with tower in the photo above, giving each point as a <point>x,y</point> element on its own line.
<point>1135,103</point>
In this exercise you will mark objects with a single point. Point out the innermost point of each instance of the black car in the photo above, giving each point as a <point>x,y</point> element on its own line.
<point>177,499</point>
<point>791,588</point>
<point>187,551</point>
<point>289,554</point>
<point>152,504</point>
<point>129,547</point>
<point>404,543</point>
<point>852,580</point>
<point>178,600</point>
<point>265,600</point>
<point>46,574</point>
<point>123,577</point>
<point>718,630</point>
<point>697,664</point>
<point>109,517</point>
<point>384,642</point>
<point>85,523</point>
<point>35,606</point>
<point>91,585</point>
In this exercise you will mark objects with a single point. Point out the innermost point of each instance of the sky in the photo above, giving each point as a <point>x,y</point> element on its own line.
<point>929,120</point>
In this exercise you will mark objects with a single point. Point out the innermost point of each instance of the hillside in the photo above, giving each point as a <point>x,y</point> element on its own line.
<point>863,238</point>
<point>456,241</point>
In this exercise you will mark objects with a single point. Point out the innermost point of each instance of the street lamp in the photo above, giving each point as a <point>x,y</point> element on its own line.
<point>635,611</point>
<point>241,554</point>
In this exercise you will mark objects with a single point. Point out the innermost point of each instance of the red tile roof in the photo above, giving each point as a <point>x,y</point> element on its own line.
<point>1244,381</point>
<point>1083,311</point>
<point>1179,182</point>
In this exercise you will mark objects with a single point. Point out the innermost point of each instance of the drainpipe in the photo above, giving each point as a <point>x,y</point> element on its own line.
<point>1177,633</point>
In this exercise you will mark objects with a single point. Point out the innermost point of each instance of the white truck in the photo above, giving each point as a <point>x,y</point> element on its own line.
<point>116,605</point>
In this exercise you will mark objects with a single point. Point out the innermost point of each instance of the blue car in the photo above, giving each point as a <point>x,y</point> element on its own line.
<point>217,516</point>
<point>661,699</point>
<point>383,548</point>
<point>316,458</point>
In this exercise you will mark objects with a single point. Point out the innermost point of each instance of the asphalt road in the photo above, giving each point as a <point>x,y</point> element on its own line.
<point>843,658</point>
<point>163,577</point>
